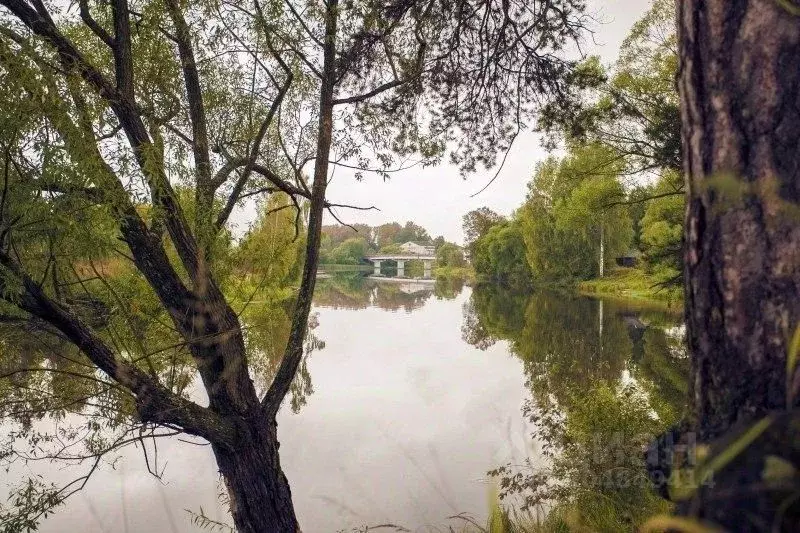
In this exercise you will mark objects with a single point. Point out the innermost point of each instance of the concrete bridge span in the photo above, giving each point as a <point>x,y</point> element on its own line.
<point>427,262</point>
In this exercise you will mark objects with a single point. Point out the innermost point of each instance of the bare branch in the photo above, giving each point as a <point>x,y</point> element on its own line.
<point>374,92</point>
<point>340,220</point>
<point>357,208</point>
<point>93,25</point>
<point>645,199</point>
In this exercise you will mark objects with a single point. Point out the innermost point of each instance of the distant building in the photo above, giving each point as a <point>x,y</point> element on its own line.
<point>415,248</point>
<point>630,259</point>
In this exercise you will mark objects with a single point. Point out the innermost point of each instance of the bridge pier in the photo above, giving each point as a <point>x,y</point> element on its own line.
<point>401,260</point>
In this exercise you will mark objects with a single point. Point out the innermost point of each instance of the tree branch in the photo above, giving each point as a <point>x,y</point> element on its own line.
<point>93,25</point>
<point>204,190</point>
<point>293,354</point>
<point>40,22</point>
<point>123,54</point>
<point>154,402</point>
<point>366,96</point>
<point>250,163</point>
<point>645,199</point>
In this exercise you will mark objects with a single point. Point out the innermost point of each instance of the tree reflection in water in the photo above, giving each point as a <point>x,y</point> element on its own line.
<point>604,379</point>
<point>355,290</point>
<point>55,408</point>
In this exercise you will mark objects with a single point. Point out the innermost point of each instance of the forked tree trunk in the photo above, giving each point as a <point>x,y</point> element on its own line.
<point>260,497</point>
<point>739,83</point>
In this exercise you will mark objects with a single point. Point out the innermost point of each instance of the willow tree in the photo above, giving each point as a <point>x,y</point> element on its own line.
<point>739,72</point>
<point>156,120</point>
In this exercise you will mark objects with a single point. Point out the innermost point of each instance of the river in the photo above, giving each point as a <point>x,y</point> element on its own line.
<point>414,392</point>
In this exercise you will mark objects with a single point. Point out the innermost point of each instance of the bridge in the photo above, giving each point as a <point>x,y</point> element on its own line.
<point>427,262</point>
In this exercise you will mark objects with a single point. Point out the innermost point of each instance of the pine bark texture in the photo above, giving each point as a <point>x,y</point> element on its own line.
<point>739,83</point>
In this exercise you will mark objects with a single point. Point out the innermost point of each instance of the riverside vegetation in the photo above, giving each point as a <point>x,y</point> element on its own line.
<point>139,129</point>
<point>617,193</point>
<point>134,133</point>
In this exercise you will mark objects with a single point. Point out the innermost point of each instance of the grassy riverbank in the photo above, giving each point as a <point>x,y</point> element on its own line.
<point>632,284</point>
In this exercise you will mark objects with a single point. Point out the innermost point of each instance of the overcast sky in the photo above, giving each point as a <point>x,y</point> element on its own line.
<point>436,198</point>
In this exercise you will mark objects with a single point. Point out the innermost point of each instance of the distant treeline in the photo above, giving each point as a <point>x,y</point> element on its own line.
<point>348,245</point>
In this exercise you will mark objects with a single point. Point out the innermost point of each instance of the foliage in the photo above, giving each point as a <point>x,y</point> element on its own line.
<point>476,224</point>
<point>349,245</point>
<point>395,233</point>
<point>271,252</point>
<point>450,282</point>
<point>662,231</point>
<point>392,248</point>
<point>571,207</point>
<point>450,255</point>
<point>137,129</point>
<point>632,108</point>
<point>597,480</point>
<point>455,275</point>
<point>591,421</point>
<point>411,232</point>
<point>355,291</point>
<point>350,252</point>
<point>633,284</point>
<point>499,255</point>
<point>574,208</point>
<point>623,128</point>
<point>622,123</point>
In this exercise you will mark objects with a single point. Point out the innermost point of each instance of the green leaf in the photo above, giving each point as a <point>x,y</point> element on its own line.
<point>777,469</point>
<point>789,6</point>
<point>791,364</point>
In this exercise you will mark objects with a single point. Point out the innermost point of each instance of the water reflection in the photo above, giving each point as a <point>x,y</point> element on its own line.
<point>604,378</point>
<point>356,290</point>
<point>569,342</point>
<point>404,418</point>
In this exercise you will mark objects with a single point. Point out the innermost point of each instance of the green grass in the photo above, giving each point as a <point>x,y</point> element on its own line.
<point>633,284</point>
<point>580,516</point>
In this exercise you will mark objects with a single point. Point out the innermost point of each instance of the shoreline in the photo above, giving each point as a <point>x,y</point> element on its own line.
<point>632,285</point>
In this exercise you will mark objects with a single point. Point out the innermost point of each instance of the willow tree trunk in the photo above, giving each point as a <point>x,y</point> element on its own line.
<point>259,493</point>
<point>739,83</point>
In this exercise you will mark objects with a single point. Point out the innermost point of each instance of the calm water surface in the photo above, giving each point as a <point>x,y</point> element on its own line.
<point>416,394</point>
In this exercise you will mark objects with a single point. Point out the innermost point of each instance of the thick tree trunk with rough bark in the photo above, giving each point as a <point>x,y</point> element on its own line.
<point>260,497</point>
<point>739,82</point>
